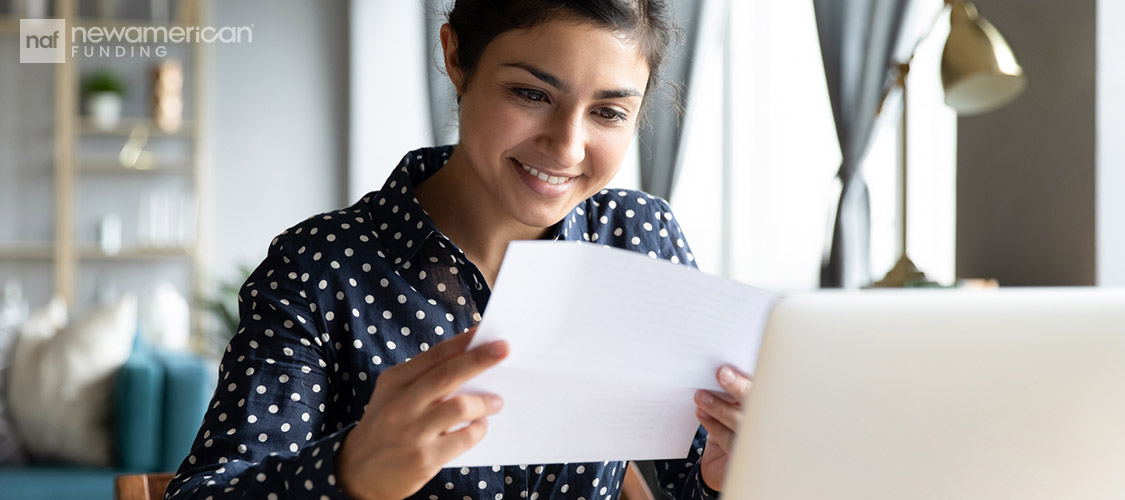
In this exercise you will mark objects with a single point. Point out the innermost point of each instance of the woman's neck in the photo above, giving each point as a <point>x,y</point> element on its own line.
<point>462,209</point>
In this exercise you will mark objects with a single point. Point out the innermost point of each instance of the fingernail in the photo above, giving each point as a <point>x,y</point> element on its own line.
<point>706,398</point>
<point>726,375</point>
<point>497,349</point>
<point>495,402</point>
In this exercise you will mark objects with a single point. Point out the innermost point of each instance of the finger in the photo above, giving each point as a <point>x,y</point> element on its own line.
<point>717,433</point>
<point>407,372</point>
<point>734,382</point>
<point>447,376</point>
<point>460,409</point>
<point>455,443</point>
<point>728,414</point>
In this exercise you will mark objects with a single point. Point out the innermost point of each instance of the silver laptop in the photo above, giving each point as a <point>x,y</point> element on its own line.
<point>937,394</point>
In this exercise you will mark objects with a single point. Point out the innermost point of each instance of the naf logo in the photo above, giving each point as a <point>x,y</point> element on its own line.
<point>42,40</point>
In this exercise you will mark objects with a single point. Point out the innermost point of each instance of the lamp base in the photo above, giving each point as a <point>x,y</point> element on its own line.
<point>905,274</point>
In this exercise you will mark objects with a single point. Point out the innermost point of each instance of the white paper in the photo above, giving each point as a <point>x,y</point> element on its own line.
<point>607,350</point>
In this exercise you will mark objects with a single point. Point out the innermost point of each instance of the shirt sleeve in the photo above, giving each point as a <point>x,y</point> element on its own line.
<point>265,434</point>
<point>680,478</point>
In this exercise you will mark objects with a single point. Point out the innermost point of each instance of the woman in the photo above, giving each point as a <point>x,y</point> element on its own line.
<point>316,397</point>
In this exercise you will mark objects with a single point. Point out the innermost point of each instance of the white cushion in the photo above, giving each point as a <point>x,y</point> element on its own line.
<point>61,383</point>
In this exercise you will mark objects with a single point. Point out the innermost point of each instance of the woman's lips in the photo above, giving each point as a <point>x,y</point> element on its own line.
<point>542,182</point>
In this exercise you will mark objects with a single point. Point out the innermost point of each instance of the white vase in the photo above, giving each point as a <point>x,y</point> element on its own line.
<point>104,109</point>
<point>165,318</point>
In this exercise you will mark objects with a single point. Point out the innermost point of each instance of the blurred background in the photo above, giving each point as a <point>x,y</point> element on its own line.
<point>162,171</point>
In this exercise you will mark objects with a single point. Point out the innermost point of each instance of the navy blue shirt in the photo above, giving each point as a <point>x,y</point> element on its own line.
<point>346,294</point>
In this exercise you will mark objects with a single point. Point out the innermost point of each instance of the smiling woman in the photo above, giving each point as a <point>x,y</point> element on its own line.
<point>340,379</point>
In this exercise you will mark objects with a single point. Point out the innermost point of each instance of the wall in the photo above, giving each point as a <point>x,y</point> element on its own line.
<point>1026,173</point>
<point>280,121</point>
<point>1111,147</point>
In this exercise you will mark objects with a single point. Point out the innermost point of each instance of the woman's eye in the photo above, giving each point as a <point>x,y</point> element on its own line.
<point>531,95</point>
<point>611,114</point>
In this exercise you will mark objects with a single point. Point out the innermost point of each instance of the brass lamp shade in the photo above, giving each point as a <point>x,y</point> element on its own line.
<point>978,70</point>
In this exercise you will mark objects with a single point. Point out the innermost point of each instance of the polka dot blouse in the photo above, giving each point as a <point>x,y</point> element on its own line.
<point>344,295</point>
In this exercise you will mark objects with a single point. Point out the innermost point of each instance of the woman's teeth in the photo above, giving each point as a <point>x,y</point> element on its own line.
<point>549,179</point>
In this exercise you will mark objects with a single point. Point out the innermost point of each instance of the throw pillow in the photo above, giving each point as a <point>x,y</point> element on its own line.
<point>45,321</point>
<point>61,385</point>
<point>11,451</point>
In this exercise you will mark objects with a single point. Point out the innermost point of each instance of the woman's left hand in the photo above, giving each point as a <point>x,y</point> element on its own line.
<point>720,413</point>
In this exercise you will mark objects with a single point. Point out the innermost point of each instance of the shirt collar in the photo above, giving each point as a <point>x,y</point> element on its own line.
<point>403,225</point>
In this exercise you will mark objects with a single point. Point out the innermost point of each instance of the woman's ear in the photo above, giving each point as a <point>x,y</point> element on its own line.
<point>452,62</point>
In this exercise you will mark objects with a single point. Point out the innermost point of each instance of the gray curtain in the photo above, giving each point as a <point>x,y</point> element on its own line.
<point>443,99</point>
<point>858,41</point>
<point>661,142</point>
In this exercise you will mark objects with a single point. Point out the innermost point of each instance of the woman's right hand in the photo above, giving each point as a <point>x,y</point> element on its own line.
<point>401,442</point>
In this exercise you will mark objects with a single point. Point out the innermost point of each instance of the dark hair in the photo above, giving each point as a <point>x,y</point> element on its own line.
<point>649,23</point>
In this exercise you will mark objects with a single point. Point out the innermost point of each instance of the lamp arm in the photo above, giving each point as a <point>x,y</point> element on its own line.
<point>904,67</point>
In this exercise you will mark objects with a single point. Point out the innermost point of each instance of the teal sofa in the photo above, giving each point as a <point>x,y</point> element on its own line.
<point>158,402</point>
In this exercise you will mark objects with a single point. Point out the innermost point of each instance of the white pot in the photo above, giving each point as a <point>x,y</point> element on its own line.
<point>104,109</point>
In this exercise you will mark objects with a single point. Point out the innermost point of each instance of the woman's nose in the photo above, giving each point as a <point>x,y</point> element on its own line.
<point>565,139</point>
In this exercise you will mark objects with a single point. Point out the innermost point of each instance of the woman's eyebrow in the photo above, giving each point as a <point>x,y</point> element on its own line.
<point>558,83</point>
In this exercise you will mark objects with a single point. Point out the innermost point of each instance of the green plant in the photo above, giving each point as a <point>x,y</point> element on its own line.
<point>224,306</point>
<point>103,80</point>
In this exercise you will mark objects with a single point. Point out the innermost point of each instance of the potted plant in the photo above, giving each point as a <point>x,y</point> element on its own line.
<point>103,90</point>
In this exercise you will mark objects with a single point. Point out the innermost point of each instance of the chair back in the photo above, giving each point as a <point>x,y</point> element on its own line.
<point>141,486</point>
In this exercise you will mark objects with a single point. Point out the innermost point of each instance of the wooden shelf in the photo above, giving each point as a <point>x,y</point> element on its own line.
<point>28,251</point>
<point>109,164</point>
<point>139,253</point>
<point>116,22</point>
<point>9,25</point>
<point>126,125</point>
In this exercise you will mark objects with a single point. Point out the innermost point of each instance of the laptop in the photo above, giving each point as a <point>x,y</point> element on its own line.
<point>937,394</point>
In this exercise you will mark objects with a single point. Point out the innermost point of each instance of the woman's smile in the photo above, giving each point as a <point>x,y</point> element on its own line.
<point>543,182</point>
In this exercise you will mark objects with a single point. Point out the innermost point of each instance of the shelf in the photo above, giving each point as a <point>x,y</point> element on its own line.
<point>139,253</point>
<point>113,22</point>
<point>9,25</point>
<point>126,125</point>
<point>109,164</point>
<point>28,251</point>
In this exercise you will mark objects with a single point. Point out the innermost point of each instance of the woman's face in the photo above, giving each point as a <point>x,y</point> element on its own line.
<point>548,115</point>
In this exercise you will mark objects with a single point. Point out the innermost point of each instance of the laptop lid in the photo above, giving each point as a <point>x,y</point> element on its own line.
<point>928,394</point>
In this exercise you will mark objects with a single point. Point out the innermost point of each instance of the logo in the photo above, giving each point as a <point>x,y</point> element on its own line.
<point>42,40</point>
